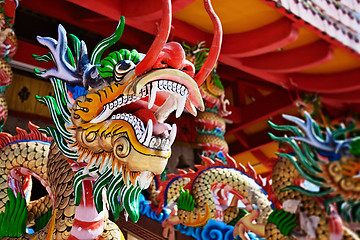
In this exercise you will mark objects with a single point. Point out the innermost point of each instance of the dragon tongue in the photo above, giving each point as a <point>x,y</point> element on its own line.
<point>144,115</point>
<point>160,128</point>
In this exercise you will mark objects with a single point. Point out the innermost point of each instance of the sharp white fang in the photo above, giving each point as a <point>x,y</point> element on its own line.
<point>357,176</point>
<point>152,95</point>
<point>146,137</point>
<point>172,134</point>
<point>105,114</point>
<point>180,105</point>
<point>193,109</point>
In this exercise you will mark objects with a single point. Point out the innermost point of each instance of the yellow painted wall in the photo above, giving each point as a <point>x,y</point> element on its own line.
<point>28,88</point>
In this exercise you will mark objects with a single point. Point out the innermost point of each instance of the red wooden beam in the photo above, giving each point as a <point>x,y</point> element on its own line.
<point>347,97</point>
<point>257,140</point>
<point>340,82</point>
<point>147,17</point>
<point>270,105</point>
<point>234,73</point>
<point>246,80</point>
<point>276,78</point>
<point>144,10</point>
<point>25,52</point>
<point>68,12</point>
<point>242,138</point>
<point>259,155</point>
<point>254,93</point>
<point>292,60</point>
<point>238,91</point>
<point>261,40</point>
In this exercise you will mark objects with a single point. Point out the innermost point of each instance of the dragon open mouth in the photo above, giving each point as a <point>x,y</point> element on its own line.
<point>148,103</point>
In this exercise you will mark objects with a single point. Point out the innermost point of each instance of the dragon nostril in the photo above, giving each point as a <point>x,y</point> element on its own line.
<point>172,55</point>
<point>189,68</point>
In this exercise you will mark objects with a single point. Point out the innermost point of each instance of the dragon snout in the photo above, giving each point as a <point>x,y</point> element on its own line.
<point>173,55</point>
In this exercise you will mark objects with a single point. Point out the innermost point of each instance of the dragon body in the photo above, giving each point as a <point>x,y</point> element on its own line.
<point>313,189</point>
<point>32,154</point>
<point>210,123</point>
<point>207,197</point>
<point>315,179</point>
<point>8,47</point>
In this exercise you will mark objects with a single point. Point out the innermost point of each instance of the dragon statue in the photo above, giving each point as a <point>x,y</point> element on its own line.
<point>110,137</point>
<point>211,187</point>
<point>313,192</point>
<point>218,177</point>
<point>210,123</point>
<point>315,182</point>
<point>8,47</point>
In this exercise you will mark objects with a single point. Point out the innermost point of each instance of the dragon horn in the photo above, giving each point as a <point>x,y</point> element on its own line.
<point>159,42</point>
<point>215,46</point>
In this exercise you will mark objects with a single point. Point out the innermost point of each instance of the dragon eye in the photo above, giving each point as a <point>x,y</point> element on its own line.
<point>122,68</point>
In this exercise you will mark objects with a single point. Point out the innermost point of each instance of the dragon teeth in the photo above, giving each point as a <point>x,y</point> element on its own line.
<point>146,136</point>
<point>180,105</point>
<point>172,134</point>
<point>149,89</point>
<point>160,143</point>
<point>152,96</point>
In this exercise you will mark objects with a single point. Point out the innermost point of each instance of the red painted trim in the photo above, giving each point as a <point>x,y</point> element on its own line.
<point>276,78</point>
<point>340,82</point>
<point>242,138</point>
<point>301,23</point>
<point>259,155</point>
<point>110,9</point>
<point>270,105</point>
<point>347,97</point>
<point>293,60</point>
<point>253,93</point>
<point>68,12</point>
<point>87,225</point>
<point>261,40</point>
<point>236,76</point>
<point>179,29</point>
<point>257,140</point>
<point>149,10</point>
<point>25,52</point>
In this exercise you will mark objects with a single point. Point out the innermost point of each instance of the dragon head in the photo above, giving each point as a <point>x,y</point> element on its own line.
<point>118,120</point>
<point>324,157</point>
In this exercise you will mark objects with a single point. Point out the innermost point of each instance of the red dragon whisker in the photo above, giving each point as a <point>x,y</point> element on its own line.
<point>215,46</point>
<point>159,42</point>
